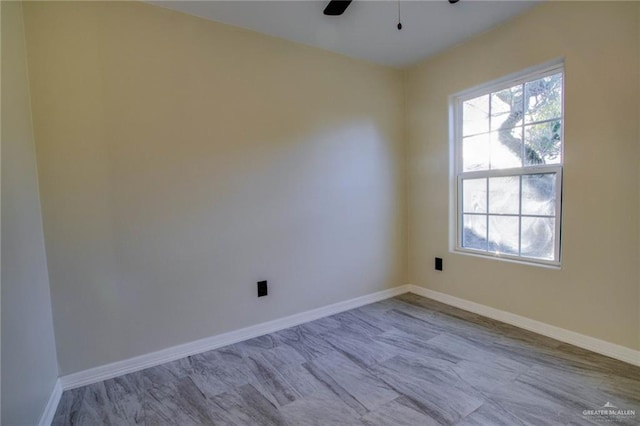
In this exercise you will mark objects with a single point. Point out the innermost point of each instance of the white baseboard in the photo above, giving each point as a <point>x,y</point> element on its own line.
<point>586,342</point>
<point>52,405</point>
<point>141,362</point>
<point>104,372</point>
<point>138,363</point>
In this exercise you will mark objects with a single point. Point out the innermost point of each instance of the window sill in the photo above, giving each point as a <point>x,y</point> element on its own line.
<point>547,264</point>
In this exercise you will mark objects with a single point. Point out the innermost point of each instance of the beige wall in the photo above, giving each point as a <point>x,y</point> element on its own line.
<point>183,160</point>
<point>596,291</point>
<point>29,366</point>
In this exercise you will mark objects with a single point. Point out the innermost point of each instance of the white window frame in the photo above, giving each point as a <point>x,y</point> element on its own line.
<point>455,120</point>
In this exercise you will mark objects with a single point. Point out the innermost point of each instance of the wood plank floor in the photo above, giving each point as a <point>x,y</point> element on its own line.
<point>402,361</point>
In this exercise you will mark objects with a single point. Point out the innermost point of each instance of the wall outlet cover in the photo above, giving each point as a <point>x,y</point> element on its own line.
<point>262,288</point>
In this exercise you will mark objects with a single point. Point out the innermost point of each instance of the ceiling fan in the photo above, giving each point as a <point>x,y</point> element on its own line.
<point>337,7</point>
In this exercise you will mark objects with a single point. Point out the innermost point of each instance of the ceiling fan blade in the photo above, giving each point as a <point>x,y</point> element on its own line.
<point>336,7</point>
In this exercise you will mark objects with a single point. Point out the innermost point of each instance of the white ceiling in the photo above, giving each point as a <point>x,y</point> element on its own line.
<point>367,30</point>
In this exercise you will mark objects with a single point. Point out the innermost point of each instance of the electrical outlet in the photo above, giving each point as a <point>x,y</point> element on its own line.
<point>438,264</point>
<point>262,288</point>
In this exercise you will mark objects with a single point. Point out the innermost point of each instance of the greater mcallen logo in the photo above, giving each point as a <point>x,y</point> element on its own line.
<point>609,413</point>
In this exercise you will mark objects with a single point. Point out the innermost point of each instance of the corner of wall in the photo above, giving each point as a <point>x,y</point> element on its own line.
<point>29,360</point>
<point>404,75</point>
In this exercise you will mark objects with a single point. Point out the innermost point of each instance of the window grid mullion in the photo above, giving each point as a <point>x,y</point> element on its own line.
<point>522,150</point>
<point>538,216</point>
<point>490,141</point>
<point>520,219</point>
<point>532,123</point>
<point>487,215</point>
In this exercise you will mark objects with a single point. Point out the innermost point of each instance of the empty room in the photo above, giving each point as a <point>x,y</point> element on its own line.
<point>320,212</point>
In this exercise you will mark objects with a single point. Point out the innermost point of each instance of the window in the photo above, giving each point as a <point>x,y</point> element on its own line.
<point>508,151</point>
